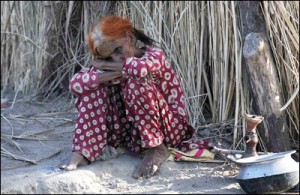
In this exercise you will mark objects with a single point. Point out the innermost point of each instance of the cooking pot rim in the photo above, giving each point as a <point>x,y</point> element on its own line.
<point>264,157</point>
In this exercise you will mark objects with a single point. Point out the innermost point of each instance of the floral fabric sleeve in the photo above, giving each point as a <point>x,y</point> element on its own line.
<point>84,81</point>
<point>140,67</point>
<point>87,79</point>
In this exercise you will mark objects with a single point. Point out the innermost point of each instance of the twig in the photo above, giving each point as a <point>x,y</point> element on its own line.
<point>217,125</point>
<point>63,123</point>
<point>56,113</point>
<point>65,119</point>
<point>65,131</point>
<point>26,160</point>
<point>11,141</point>
<point>14,167</point>
<point>33,135</point>
<point>42,132</point>
<point>225,151</point>
<point>35,117</point>
<point>8,154</point>
<point>31,41</point>
<point>13,103</point>
<point>12,129</point>
<point>40,122</point>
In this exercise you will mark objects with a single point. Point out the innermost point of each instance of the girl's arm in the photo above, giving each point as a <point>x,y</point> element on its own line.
<point>108,76</point>
<point>109,70</point>
<point>151,62</point>
<point>107,65</point>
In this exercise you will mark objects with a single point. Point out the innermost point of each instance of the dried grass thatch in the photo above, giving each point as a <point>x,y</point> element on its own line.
<point>44,41</point>
<point>282,20</point>
<point>44,44</point>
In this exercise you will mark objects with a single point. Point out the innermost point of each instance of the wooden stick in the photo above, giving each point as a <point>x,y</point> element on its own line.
<point>225,151</point>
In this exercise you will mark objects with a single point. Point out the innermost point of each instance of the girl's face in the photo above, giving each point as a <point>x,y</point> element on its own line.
<point>125,50</point>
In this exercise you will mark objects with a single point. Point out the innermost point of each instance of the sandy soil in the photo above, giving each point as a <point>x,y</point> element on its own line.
<point>42,134</point>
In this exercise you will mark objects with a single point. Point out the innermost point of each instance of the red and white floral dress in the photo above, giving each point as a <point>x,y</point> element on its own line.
<point>141,110</point>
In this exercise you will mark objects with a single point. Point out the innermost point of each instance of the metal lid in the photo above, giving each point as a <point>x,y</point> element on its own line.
<point>264,158</point>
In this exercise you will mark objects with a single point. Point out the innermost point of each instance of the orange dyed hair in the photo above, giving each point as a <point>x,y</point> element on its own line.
<point>115,27</point>
<point>92,43</point>
<point>108,28</point>
<point>101,38</point>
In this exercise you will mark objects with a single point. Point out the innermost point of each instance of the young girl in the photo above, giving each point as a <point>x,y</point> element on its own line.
<point>130,97</point>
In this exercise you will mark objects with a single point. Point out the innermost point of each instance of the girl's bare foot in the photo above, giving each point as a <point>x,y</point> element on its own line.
<point>76,160</point>
<point>152,161</point>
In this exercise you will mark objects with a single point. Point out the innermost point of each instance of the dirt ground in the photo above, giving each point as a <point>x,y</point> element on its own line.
<point>36,138</point>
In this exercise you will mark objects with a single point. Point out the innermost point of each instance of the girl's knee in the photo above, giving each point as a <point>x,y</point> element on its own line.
<point>83,82</point>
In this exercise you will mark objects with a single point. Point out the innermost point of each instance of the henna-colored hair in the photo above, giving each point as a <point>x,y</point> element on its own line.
<point>115,27</point>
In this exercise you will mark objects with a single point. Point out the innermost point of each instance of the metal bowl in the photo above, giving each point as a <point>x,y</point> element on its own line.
<point>270,173</point>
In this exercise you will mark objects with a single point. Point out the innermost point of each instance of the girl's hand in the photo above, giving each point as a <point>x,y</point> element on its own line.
<point>106,64</point>
<point>110,70</point>
<point>109,76</point>
<point>97,63</point>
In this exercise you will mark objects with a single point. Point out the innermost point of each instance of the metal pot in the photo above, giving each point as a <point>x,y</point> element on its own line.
<point>268,173</point>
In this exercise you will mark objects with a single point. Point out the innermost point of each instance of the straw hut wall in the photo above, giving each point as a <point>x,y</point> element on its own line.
<point>43,43</point>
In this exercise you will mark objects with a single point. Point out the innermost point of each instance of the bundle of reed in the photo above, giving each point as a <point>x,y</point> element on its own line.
<point>202,41</point>
<point>22,45</point>
<point>43,42</point>
<point>282,21</point>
